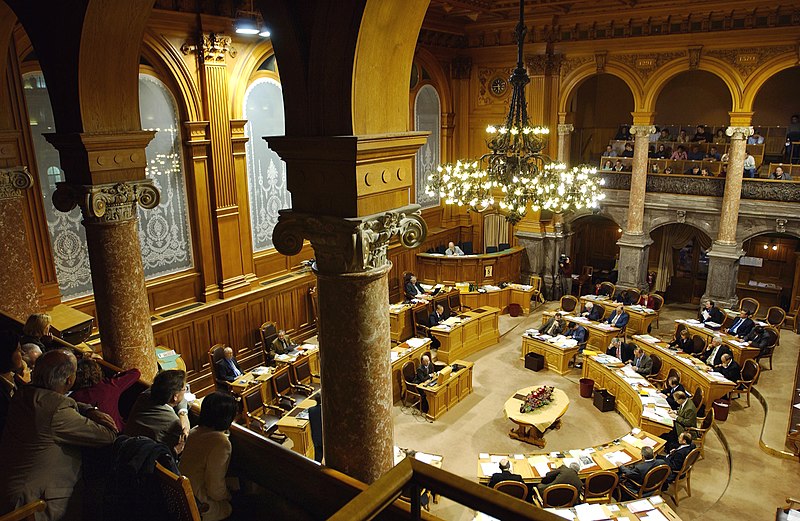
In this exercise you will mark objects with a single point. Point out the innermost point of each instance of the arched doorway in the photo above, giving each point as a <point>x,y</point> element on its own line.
<point>679,259</point>
<point>773,108</point>
<point>596,118</point>
<point>593,251</point>
<point>768,271</point>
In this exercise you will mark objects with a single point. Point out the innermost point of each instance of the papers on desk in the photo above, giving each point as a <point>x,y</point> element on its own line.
<point>566,514</point>
<point>641,309</point>
<point>258,371</point>
<point>606,359</point>
<point>712,325</point>
<point>563,342</point>
<point>657,414</point>
<point>690,321</point>
<point>632,440</point>
<point>489,468</point>
<point>590,512</point>
<point>584,462</point>
<point>618,458</point>
<point>496,458</point>
<point>396,308</point>
<point>395,356</point>
<point>718,376</point>
<point>739,343</point>
<point>642,505</point>
<point>796,406</point>
<point>532,332</point>
<point>430,459</point>
<point>165,354</point>
<point>654,515</point>
<point>452,321</point>
<point>649,339</point>
<point>416,342</point>
<point>523,287</point>
<point>540,464</point>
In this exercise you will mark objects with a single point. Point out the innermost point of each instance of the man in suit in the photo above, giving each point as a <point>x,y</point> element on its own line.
<point>593,312</point>
<point>729,368</point>
<point>711,313</point>
<point>555,326</point>
<point>154,413</point>
<point>619,318</point>
<point>452,249</point>
<point>673,386</point>
<point>315,419</point>
<point>620,349</point>
<point>414,289</point>
<point>282,343</point>
<point>43,440</point>
<point>685,417</point>
<point>577,332</point>
<point>562,475</point>
<point>437,316</point>
<point>505,474</point>
<point>634,474</point>
<point>425,369</point>
<point>683,342</point>
<point>712,355</point>
<point>743,324</point>
<point>641,363</point>
<point>677,456</point>
<point>227,368</point>
<point>760,338</point>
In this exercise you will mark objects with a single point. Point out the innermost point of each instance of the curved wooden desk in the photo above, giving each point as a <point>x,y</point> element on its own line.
<point>741,353</point>
<point>531,426</point>
<point>488,268</point>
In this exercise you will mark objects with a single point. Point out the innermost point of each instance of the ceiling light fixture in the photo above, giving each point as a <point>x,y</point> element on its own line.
<point>250,22</point>
<point>515,170</point>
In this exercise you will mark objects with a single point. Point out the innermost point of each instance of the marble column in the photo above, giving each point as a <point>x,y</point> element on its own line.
<point>564,141</point>
<point>634,245</point>
<point>111,222</point>
<point>351,268</point>
<point>723,258</point>
<point>533,242</point>
<point>17,280</point>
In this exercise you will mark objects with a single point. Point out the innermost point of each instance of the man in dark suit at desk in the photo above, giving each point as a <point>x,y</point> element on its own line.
<point>562,475</point>
<point>554,326</point>
<point>673,386</point>
<point>620,349</point>
<point>729,368</point>
<point>685,418</point>
<point>505,474</point>
<point>635,474</point>
<point>619,318</point>
<point>414,289</point>
<point>425,369</point>
<point>226,367</point>
<point>759,338</point>
<point>711,313</point>
<point>712,355</point>
<point>593,312</point>
<point>641,363</point>
<point>677,456</point>
<point>437,317</point>
<point>743,324</point>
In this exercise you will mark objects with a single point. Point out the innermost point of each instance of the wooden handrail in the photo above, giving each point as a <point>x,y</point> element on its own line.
<point>25,512</point>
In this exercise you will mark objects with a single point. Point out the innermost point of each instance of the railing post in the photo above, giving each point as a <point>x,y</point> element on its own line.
<point>416,503</point>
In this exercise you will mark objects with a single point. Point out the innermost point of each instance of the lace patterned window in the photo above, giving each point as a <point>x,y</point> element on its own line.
<point>163,231</point>
<point>67,234</point>
<point>266,173</point>
<point>427,116</point>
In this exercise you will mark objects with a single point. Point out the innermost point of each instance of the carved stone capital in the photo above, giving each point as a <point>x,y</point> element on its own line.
<point>780,225</point>
<point>461,68</point>
<point>600,59</point>
<point>739,132</point>
<point>109,203</point>
<point>643,130</point>
<point>13,181</point>
<point>681,216</point>
<point>213,46</point>
<point>565,129</point>
<point>349,245</point>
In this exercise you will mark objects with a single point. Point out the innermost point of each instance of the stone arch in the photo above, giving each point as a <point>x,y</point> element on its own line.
<point>249,60</point>
<point>662,76</point>
<point>172,69</point>
<point>609,212</point>
<point>761,75</point>
<point>768,227</point>
<point>689,218</point>
<point>574,79</point>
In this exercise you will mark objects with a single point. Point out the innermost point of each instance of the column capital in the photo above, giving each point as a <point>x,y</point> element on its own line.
<point>349,245</point>
<point>213,47</point>
<point>13,181</point>
<point>565,129</point>
<point>739,132</point>
<point>109,203</point>
<point>643,130</point>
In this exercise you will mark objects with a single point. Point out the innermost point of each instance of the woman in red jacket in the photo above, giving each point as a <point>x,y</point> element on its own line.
<point>91,388</point>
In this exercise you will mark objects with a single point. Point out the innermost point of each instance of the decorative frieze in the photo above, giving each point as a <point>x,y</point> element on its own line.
<point>493,84</point>
<point>213,46</point>
<point>570,64</point>
<point>645,64</point>
<point>13,181</point>
<point>110,203</point>
<point>747,60</point>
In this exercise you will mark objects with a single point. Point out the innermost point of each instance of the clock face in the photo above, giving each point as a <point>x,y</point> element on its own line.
<point>498,86</point>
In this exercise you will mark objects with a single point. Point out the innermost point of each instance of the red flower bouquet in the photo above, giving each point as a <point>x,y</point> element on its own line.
<point>537,398</point>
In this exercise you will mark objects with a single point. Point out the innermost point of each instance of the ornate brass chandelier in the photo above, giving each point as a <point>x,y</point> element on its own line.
<point>515,170</point>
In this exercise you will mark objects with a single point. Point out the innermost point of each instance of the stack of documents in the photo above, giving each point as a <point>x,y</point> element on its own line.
<point>416,342</point>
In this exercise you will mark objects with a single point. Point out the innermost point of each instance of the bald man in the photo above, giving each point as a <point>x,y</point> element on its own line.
<point>227,368</point>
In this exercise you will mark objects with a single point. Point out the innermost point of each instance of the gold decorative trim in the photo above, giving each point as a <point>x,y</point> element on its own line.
<point>214,47</point>
<point>13,181</point>
<point>109,203</point>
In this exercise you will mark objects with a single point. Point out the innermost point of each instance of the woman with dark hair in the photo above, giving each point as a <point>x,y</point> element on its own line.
<point>92,388</point>
<point>207,455</point>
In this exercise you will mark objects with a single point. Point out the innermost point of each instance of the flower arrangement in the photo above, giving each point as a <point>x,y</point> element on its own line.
<point>537,398</point>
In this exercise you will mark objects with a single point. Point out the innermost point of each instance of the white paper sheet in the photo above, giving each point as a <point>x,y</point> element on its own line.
<point>642,505</point>
<point>542,469</point>
<point>489,468</point>
<point>566,514</point>
<point>590,512</point>
<point>654,515</point>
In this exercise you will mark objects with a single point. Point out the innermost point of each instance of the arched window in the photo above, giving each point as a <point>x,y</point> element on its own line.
<point>163,231</point>
<point>266,173</point>
<point>427,116</point>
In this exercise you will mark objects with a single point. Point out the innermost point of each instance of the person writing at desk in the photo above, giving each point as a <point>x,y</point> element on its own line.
<point>593,312</point>
<point>641,363</point>
<point>710,313</point>
<point>577,332</point>
<point>712,355</point>
<point>674,385</point>
<point>452,249</point>
<point>437,317</point>
<point>729,368</point>
<point>620,349</point>
<point>619,318</point>
<point>684,417</point>
<point>742,325</point>
<point>554,326</point>
<point>682,342</point>
<point>227,368</point>
<point>414,289</point>
<point>759,338</point>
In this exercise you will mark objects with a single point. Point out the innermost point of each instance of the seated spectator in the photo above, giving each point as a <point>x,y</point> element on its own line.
<point>563,475</point>
<point>610,152</point>
<point>577,332</point>
<point>37,331</point>
<point>623,133</point>
<point>723,171</point>
<point>646,300</point>
<point>661,152</point>
<point>685,416</point>
<point>207,455</point>
<point>92,388</point>
<point>756,139</point>
<point>701,136</point>
<point>683,342</point>
<point>628,152</point>
<point>712,154</point>
<point>154,415</point>
<point>711,313</point>
<point>705,172</point>
<point>414,289</point>
<point>554,326</point>
<point>695,170</point>
<point>593,313</point>
<point>634,474</point>
<point>618,167</point>
<point>227,368</point>
<point>44,437</point>
<point>696,154</point>
<point>283,344</point>
<point>668,170</point>
<point>608,165</point>
<point>682,137</point>
<point>30,353</point>
<point>729,368</point>
<point>11,367</point>
<point>679,154</point>
<point>673,386</point>
<point>720,138</point>
<point>505,474</point>
<point>780,175</point>
<point>664,135</point>
<point>749,166</point>
<point>619,317</point>
<point>438,316</point>
<point>712,355</point>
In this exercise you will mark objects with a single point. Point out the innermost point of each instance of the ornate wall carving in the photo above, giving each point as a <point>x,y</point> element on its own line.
<point>485,78</point>
<point>746,61</point>
<point>645,64</point>
<point>570,64</point>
